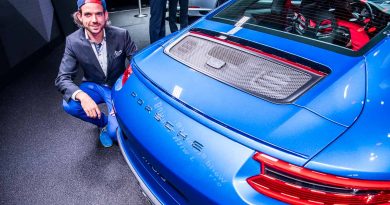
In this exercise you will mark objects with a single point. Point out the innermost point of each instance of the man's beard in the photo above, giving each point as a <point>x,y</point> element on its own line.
<point>101,27</point>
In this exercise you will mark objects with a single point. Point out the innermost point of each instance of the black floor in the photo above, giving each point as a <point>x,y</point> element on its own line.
<point>48,157</point>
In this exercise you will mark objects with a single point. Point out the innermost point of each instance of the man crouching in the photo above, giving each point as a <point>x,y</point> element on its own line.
<point>100,51</point>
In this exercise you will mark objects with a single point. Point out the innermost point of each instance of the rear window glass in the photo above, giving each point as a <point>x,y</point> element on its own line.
<point>349,24</point>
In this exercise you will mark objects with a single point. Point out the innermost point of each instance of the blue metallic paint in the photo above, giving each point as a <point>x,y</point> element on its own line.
<point>332,128</point>
<point>275,129</point>
<point>363,151</point>
<point>316,99</point>
<point>147,177</point>
<point>167,151</point>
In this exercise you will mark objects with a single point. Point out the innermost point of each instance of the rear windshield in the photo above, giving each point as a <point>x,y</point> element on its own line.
<point>347,24</point>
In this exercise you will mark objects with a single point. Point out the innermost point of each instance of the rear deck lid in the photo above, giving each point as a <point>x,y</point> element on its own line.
<point>284,93</point>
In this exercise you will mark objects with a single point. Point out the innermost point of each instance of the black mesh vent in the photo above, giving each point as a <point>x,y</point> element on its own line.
<point>228,55</point>
<point>252,72</point>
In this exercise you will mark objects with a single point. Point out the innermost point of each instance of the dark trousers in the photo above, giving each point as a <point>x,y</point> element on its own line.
<point>157,20</point>
<point>183,14</point>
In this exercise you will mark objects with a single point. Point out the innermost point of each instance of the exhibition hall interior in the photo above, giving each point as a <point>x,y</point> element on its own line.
<point>263,102</point>
<point>47,156</point>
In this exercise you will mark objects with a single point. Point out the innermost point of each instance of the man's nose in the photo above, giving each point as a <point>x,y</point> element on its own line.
<point>94,18</point>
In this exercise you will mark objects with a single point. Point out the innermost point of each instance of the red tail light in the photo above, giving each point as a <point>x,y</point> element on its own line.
<point>297,185</point>
<point>127,74</point>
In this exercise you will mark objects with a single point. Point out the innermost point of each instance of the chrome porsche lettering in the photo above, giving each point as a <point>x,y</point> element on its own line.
<point>158,117</point>
<point>197,146</point>
<point>148,109</point>
<point>182,135</point>
<point>169,126</point>
<point>190,147</point>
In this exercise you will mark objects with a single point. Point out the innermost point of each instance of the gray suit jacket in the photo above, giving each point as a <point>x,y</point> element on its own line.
<point>79,53</point>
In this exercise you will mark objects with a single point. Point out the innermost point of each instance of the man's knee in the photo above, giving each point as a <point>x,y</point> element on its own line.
<point>72,107</point>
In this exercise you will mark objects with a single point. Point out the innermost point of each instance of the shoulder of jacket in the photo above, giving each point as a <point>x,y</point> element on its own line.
<point>115,29</point>
<point>76,34</point>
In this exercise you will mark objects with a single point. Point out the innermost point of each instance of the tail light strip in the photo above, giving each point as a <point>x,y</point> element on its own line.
<point>127,74</point>
<point>320,177</point>
<point>361,191</point>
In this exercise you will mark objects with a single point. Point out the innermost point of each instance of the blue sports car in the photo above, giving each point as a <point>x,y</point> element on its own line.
<point>263,102</point>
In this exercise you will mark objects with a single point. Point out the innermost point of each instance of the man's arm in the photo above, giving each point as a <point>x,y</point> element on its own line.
<point>88,104</point>
<point>67,72</point>
<point>64,83</point>
<point>130,47</point>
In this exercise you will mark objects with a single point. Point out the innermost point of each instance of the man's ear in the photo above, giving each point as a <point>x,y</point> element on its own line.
<point>106,15</point>
<point>78,14</point>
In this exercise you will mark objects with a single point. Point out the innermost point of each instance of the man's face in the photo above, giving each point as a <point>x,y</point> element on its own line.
<point>93,17</point>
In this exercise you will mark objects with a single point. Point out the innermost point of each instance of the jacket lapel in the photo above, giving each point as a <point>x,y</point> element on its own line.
<point>110,49</point>
<point>87,48</point>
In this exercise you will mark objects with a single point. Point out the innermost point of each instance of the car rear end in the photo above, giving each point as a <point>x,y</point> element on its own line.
<point>175,149</point>
<point>223,113</point>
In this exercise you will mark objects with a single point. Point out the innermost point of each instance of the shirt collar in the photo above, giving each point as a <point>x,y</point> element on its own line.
<point>87,37</point>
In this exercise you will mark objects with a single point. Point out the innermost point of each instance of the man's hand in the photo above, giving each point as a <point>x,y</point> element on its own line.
<point>89,106</point>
